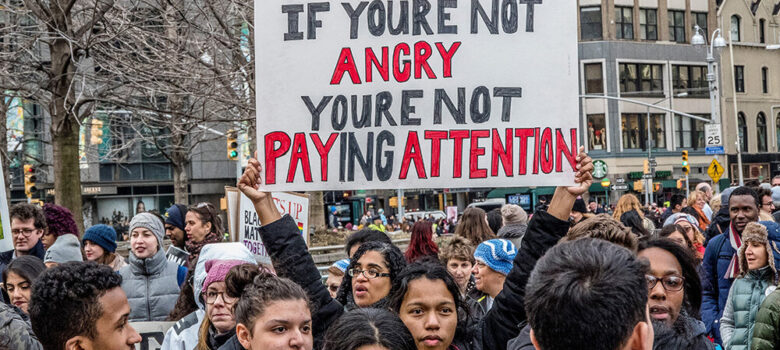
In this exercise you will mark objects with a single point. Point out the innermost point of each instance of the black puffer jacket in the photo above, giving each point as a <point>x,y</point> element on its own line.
<point>291,259</point>
<point>719,224</point>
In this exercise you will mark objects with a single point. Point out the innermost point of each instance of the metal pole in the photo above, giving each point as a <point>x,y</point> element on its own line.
<point>401,203</point>
<point>711,80</point>
<point>736,113</point>
<point>687,187</point>
<point>649,157</point>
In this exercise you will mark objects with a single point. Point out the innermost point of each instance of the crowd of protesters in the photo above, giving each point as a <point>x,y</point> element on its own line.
<point>699,275</point>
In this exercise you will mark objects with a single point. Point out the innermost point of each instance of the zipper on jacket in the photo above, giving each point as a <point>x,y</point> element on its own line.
<point>148,304</point>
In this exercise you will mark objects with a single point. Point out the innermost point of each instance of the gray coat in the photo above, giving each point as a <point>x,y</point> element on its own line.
<point>513,232</point>
<point>151,286</point>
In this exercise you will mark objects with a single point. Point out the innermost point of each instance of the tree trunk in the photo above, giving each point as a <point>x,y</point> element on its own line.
<point>316,210</point>
<point>181,182</point>
<point>67,175</point>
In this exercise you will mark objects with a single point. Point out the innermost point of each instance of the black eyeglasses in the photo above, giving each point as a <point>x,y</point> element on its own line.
<point>670,283</point>
<point>27,232</point>
<point>211,297</point>
<point>370,273</point>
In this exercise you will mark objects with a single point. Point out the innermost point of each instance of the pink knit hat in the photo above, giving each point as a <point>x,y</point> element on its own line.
<point>217,270</point>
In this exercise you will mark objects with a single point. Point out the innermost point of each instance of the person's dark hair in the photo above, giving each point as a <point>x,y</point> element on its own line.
<point>186,303</point>
<point>495,220</point>
<point>256,289</point>
<point>59,220</point>
<point>421,244</point>
<point>65,301</point>
<point>365,235</point>
<point>369,326</point>
<point>27,266</point>
<point>745,191</point>
<point>24,212</point>
<point>677,199</point>
<point>692,297</point>
<point>433,272</point>
<point>761,193</point>
<point>603,226</point>
<point>472,226</point>
<point>207,213</point>
<point>667,230</point>
<point>584,280</point>
<point>393,258</point>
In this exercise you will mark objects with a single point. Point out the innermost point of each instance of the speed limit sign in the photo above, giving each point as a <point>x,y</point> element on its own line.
<point>713,141</point>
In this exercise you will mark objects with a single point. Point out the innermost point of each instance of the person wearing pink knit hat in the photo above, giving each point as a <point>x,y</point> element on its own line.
<point>219,325</point>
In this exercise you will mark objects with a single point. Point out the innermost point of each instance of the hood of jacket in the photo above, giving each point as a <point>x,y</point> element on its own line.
<point>217,251</point>
<point>512,230</point>
<point>148,266</point>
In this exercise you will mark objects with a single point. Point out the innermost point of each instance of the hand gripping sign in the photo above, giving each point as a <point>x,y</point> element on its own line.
<point>416,94</point>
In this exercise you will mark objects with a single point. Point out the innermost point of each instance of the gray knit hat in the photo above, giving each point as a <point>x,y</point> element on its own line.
<point>150,222</point>
<point>514,214</point>
<point>66,248</point>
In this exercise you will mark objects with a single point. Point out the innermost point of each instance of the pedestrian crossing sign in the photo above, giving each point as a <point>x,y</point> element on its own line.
<point>715,171</point>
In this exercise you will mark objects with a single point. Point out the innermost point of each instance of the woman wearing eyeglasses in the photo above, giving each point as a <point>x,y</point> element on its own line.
<point>203,226</point>
<point>674,296</point>
<point>757,279</point>
<point>220,324</point>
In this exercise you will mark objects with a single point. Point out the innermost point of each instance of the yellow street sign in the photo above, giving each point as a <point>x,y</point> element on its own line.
<point>715,171</point>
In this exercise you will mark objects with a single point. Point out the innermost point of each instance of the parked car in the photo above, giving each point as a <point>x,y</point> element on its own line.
<point>414,215</point>
<point>488,204</point>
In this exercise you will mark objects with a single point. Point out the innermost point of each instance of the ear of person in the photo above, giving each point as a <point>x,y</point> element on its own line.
<point>242,333</point>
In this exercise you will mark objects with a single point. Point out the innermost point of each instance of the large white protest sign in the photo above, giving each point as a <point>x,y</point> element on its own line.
<point>411,94</point>
<point>6,241</point>
<point>297,205</point>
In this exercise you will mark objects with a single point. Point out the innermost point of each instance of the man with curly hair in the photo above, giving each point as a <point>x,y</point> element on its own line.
<point>81,306</point>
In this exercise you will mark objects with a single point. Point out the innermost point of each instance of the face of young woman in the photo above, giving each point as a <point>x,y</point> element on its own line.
<point>218,309</point>
<point>196,229</point>
<point>460,270</point>
<point>143,243</point>
<point>93,251</point>
<point>284,325</point>
<point>367,291</point>
<point>756,256</point>
<point>428,311</point>
<point>19,290</point>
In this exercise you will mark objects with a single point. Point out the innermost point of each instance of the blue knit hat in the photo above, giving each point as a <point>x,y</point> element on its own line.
<point>175,216</point>
<point>497,254</point>
<point>102,235</point>
<point>342,265</point>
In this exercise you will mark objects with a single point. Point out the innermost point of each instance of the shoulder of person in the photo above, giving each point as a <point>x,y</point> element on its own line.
<point>193,319</point>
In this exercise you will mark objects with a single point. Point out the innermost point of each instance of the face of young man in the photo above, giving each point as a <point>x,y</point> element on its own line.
<point>25,235</point>
<point>742,210</point>
<point>113,331</point>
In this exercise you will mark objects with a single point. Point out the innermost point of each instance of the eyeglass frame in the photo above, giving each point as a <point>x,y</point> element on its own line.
<point>656,279</point>
<point>18,231</point>
<point>219,294</point>
<point>352,273</point>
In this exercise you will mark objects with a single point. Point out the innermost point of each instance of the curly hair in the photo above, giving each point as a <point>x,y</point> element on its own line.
<point>626,203</point>
<point>71,292</point>
<point>394,260</point>
<point>59,220</point>
<point>457,248</point>
<point>24,212</point>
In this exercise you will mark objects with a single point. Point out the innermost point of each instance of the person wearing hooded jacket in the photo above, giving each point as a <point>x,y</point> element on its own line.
<point>150,281</point>
<point>503,321</point>
<point>184,334</point>
<point>757,278</point>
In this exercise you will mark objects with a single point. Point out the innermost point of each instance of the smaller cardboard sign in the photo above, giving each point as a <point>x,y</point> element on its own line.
<point>152,334</point>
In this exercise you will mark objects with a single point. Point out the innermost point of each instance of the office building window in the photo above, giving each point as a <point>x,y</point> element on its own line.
<point>624,22</point>
<point>742,132</point>
<point>691,80</point>
<point>634,131</point>
<point>765,80</point>
<point>648,24</point>
<point>761,132</point>
<point>762,31</point>
<point>690,132</point>
<point>739,78</point>
<point>590,23</point>
<point>637,79</point>
<point>700,19</point>
<point>677,26</point>
<point>594,79</point>
<point>597,132</point>
<point>735,31</point>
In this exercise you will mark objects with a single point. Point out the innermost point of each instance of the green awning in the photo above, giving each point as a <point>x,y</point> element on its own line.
<point>545,191</point>
<point>596,187</point>
<point>669,183</point>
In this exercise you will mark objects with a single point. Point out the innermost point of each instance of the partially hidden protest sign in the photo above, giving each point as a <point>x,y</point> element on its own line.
<point>416,94</point>
<point>297,205</point>
<point>152,334</point>
<point>6,241</point>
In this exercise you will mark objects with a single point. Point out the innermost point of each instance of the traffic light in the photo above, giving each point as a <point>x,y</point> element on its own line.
<point>686,168</point>
<point>29,180</point>
<point>232,145</point>
<point>646,167</point>
<point>639,186</point>
<point>96,133</point>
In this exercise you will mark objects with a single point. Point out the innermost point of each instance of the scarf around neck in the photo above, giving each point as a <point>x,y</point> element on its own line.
<point>194,247</point>
<point>736,241</point>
